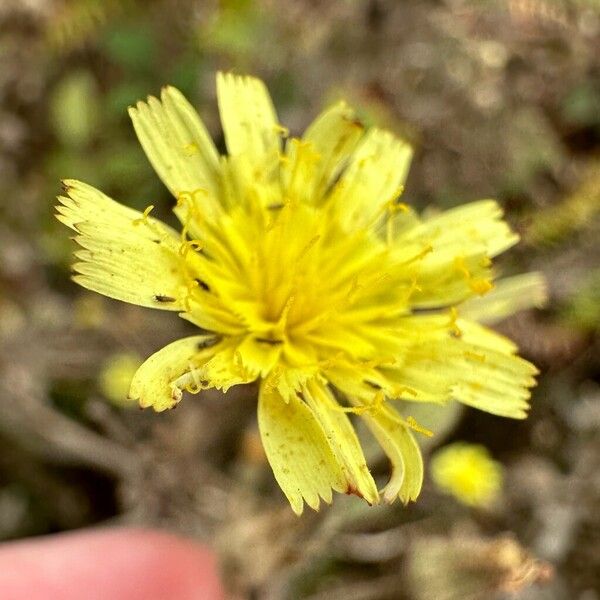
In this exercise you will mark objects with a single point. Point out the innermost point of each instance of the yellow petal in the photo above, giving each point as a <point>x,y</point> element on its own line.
<point>226,369</point>
<point>509,296</point>
<point>212,315</point>
<point>358,380</point>
<point>343,440</point>
<point>457,246</point>
<point>177,144</point>
<point>85,203</point>
<point>248,116</point>
<point>482,377</point>
<point>479,335</point>
<point>253,138</point>
<point>401,219</point>
<point>313,163</point>
<point>162,377</point>
<point>289,380</point>
<point>125,255</point>
<point>375,177</point>
<point>443,278</point>
<point>259,354</point>
<point>468,229</point>
<point>302,459</point>
<point>500,387</point>
<point>403,451</point>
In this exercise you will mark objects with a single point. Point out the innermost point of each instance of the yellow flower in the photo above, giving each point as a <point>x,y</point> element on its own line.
<point>304,272</point>
<point>467,472</point>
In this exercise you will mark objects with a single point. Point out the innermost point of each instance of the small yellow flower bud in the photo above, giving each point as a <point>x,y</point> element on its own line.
<point>467,472</point>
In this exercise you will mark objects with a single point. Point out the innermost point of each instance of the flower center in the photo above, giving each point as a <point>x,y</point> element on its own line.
<point>292,282</point>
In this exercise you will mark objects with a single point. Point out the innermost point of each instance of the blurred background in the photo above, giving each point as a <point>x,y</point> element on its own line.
<point>501,98</point>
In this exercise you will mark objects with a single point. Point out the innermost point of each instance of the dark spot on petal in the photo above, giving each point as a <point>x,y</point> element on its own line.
<point>354,121</point>
<point>161,298</point>
<point>202,284</point>
<point>352,490</point>
<point>372,384</point>
<point>208,342</point>
<point>269,341</point>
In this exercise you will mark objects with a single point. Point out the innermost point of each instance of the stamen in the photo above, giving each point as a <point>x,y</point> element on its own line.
<point>459,265</point>
<point>380,362</point>
<point>282,130</point>
<point>189,245</point>
<point>332,361</point>
<point>282,322</point>
<point>157,231</point>
<point>242,370</point>
<point>355,410</point>
<point>144,218</point>
<point>486,261</point>
<point>480,285</point>
<point>393,206</point>
<point>187,199</point>
<point>363,161</point>
<point>305,155</point>
<point>196,381</point>
<point>309,245</point>
<point>389,207</point>
<point>184,198</point>
<point>190,381</point>
<point>475,356</point>
<point>414,287</point>
<point>455,330</point>
<point>422,254</point>
<point>404,389</point>
<point>375,406</point>
<point>412,423</point>
<point>189,292</point>
<point>191,149</point>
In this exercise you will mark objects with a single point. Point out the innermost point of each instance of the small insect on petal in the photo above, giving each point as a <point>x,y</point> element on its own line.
<point>161,298</point>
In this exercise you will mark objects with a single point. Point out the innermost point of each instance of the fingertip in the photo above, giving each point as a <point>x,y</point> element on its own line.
<point>120,564</point>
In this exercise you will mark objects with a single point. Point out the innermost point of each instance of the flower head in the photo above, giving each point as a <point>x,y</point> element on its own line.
<point>304,271</point>
<point>467,472</point>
